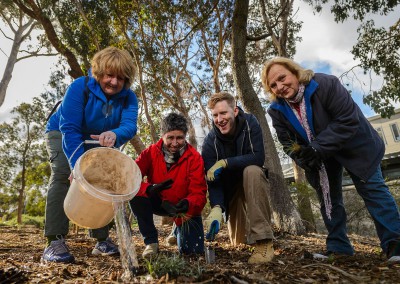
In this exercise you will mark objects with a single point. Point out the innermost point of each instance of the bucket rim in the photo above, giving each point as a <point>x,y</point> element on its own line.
<point>102,194</point>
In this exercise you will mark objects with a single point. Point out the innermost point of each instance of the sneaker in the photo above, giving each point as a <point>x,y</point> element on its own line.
<point>58,251</point>
<point>263,252</point>
<point>106,247</point>
<point>393,253</point>
<point>150,250</point>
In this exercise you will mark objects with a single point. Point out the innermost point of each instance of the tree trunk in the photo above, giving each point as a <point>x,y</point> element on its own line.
<point>286,216</point>
<point>19,36</point>
<point>303,199</point>
<point>31,8</point>
<point>137,144</point>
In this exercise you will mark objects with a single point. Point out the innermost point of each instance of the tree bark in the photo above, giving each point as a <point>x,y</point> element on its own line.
<point>38,14</point>
<point>137,144</point>
<point>303,199</point>
<point>285,214</point>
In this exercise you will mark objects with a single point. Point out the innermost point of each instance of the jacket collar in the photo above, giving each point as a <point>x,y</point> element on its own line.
<point>282,106</point>
<point>95,88</point>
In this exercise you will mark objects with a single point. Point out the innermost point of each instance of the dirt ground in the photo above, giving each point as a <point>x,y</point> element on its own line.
<point>21,250</point>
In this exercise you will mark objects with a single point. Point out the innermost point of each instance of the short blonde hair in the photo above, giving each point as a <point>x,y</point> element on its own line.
<point>112,59</point>
<point>303,75</point>
<point>219,97</point>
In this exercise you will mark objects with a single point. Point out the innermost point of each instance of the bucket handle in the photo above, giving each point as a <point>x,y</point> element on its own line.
<point>80,145</point>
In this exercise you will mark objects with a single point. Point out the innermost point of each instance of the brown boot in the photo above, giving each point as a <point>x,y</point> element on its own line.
<point>263,252</point>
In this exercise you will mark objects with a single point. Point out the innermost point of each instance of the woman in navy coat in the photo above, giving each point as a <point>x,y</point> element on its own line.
<point>323,130</point>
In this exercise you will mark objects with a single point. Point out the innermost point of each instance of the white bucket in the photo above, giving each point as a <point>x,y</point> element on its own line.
<point>102,176</point>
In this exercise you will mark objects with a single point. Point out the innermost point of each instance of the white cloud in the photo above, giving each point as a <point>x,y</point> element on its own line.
<point>327,43</point>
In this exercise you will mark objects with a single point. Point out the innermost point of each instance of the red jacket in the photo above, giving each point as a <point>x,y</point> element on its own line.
<point>188,176</point>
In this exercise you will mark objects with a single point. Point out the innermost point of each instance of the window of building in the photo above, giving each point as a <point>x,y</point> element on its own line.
<point>381,134</point>
<point>395,132</point>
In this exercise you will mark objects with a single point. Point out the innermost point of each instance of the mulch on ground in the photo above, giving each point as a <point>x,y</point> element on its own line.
<point>21,250</point>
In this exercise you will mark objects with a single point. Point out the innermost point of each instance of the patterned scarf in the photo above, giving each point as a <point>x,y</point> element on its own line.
<point>172,158</point>
<point>302,117</point>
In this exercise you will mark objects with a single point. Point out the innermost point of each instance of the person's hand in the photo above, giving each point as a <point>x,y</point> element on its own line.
<point>106,139</point>
<point>182,206</point>
<point>155,189</point>
<point>174,210</point>
<point>71,177</point>
<point>216,170</point>
<point>213,222</point>
<point>309,158</point>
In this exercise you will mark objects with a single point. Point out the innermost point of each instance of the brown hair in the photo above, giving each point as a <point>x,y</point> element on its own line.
<point>112,59</point>
<point>221,96</point>
<point>303,75</point>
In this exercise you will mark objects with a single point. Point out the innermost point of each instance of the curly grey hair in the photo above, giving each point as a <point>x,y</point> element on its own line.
<point>174,121</point>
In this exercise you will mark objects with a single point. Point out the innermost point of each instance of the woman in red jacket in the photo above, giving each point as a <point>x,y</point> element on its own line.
<point>175,186</point>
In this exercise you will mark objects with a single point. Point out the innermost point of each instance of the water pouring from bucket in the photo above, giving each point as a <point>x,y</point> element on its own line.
<point>104,180</point>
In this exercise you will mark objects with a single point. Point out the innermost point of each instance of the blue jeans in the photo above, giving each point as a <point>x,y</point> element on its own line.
<point>190,235</point>
<point>377,198</point>
<point>381,206</point>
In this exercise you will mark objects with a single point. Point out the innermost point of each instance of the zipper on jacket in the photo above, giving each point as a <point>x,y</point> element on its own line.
<point>109,106</point>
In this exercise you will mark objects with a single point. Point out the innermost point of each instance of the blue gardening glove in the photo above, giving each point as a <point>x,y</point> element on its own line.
<point>155,189</point>
<point>214,172</point>
<point>213,222</point>
<point>214,229</point>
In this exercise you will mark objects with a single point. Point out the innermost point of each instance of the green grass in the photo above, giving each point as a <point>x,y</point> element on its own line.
<point>37,221</point>
<point>173,265</point>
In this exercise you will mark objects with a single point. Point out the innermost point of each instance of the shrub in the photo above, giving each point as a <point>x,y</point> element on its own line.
<point>37,221</point>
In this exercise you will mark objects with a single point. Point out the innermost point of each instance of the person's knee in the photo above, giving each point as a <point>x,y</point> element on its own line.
<point>61,178</point>
<point>252,171</point>
<point>139,204</point>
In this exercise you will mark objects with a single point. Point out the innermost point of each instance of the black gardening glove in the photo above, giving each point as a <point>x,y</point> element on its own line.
<point>301,164</point>
<point>309,158</point>
<point>155,189</point>
<point>182,206</point>
<point>173,210</point>
<point>169,208</point>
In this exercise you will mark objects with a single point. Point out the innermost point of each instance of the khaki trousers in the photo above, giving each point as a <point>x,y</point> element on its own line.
<point>249,211</point>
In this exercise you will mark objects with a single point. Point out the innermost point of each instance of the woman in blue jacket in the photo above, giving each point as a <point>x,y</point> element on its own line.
<point>324,131</point>
<point>100,107</point>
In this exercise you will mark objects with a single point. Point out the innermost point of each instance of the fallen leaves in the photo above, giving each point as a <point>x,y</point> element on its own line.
<point>21,250</point>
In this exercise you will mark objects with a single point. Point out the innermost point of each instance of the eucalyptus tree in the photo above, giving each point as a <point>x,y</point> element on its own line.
<point>45,12</point>
<point>213,58</point>
<point>161,36</point>
<point>377,48</point>
<point>285,214</point>
<point>21,27</point>
<point>21,151</point>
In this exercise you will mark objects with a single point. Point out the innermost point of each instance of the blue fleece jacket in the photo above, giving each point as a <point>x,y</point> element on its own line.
<point>78,121</point>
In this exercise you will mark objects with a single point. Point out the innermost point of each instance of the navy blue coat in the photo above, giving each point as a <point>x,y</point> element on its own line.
<point>340,129</point>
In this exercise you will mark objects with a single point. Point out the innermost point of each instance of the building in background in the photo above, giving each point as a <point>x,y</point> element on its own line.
<point>389,130</point>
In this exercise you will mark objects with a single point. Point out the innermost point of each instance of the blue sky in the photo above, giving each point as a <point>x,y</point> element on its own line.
<point>326,46</point>
<point>357,95</point>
